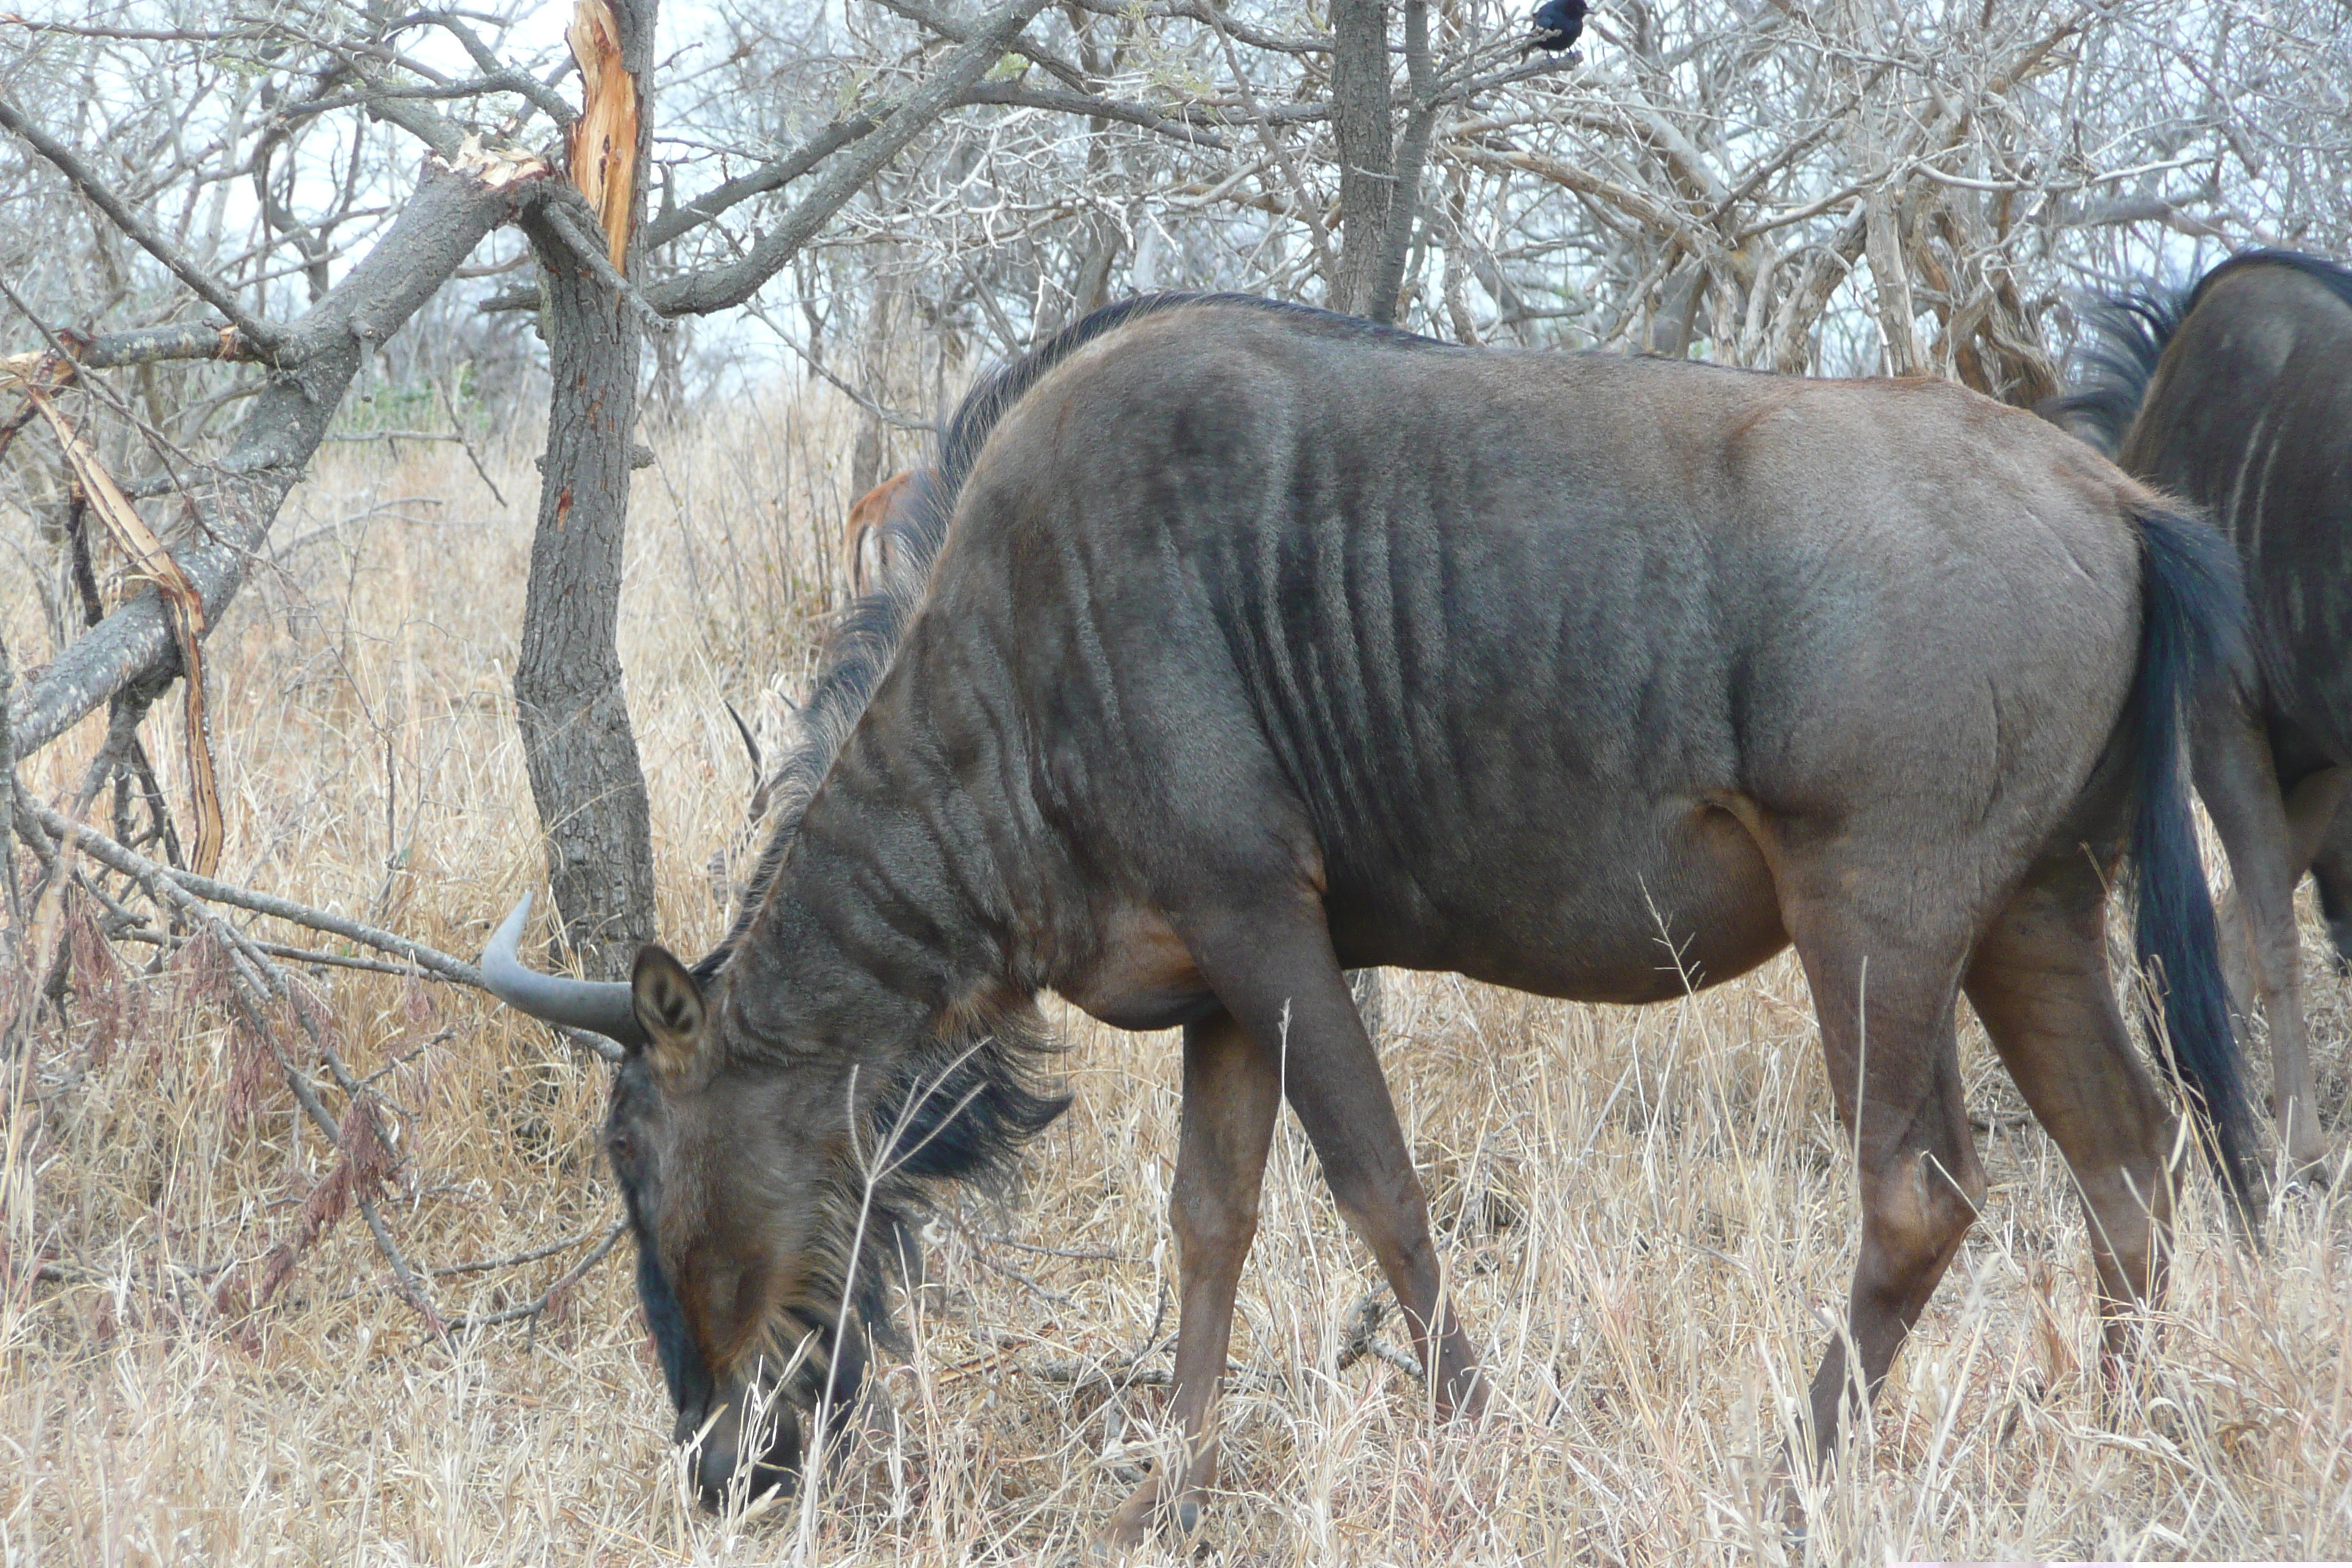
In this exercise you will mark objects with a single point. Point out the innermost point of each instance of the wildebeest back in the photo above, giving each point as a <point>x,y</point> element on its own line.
<point>1495,617</point>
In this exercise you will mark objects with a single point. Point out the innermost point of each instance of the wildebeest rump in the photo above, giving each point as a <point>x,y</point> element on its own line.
<point>878,524</point>
<point>1263,642</point>
<point>2237,393</point>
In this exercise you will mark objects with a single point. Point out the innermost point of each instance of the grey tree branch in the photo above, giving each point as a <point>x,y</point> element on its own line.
<point>769,176</point>
<point>1318,234</point>
<point>146,345</point>
<point>702,292</point>
<point>320,354</point>
<point>955,32</point>
<point>264,337</point>
<point>714,203</point>
<point>1200,11</point>
<point>131,863</point>
<point>542,95</point>
<point>1014,95</point>
<point>1412,154</point>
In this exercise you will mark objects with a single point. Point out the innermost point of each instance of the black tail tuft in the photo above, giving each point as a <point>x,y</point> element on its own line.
<point>2194,613</point>
<point>2125,335</point>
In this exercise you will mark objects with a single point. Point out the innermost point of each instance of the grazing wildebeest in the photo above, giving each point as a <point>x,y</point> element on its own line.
<point>1263,642</point>
<point>2237,394</point>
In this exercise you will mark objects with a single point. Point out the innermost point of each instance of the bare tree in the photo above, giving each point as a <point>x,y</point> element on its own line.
<point>595,298</point>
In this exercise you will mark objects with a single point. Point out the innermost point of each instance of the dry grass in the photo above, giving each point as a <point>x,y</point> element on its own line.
<point>1646,1212</point>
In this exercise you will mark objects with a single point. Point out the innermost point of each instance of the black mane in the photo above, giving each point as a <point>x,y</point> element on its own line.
<point>2129,331</point>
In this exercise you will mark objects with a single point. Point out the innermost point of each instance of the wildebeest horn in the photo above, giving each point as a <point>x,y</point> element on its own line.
<point>602,1005</point>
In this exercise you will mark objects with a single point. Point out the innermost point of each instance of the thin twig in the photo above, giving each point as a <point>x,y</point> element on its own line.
<point>260,334</point>
<point>483,1266</point>
<point>144,932</point>
<point>1056,1251</point>
<point>571,1277</point>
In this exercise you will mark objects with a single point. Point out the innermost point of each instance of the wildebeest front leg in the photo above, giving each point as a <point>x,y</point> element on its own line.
<point>2332,870</point>
<point>1279,977</point>
<point>2270,837</point>
<point>1884,991</point>
<point>1231,1096</point>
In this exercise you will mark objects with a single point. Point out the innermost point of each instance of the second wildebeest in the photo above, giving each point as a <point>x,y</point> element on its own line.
<point>2237,393</point>
<point>1263,642</point>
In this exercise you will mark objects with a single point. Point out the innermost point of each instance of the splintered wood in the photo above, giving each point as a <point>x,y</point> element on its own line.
<point>182,603</point>
<point>604,141</point>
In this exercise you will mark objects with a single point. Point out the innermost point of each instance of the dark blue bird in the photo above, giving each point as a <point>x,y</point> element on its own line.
<point>1558,24</point>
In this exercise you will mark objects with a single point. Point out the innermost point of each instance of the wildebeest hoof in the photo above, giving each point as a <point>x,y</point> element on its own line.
<point>2308,1171</point>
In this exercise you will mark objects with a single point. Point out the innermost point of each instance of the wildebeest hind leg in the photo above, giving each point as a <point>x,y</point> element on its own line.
<point>2269,839</point>
<point>2040,982</point>
<point>1276,971</point>
<point>1884,989</point>
<point>2332,870</point>
<point>1231,1095</point>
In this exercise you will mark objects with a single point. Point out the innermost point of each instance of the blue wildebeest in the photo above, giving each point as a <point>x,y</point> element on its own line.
<point>1261,642</point>
<point>2237,394</point>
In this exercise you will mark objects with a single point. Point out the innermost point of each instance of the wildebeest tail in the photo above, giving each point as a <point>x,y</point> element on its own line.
<point>2194,611</point>
<point>2125,337</point>
<point>2125,334</point>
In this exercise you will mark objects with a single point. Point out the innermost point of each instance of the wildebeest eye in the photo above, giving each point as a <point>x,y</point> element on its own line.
<point>622,1146</point>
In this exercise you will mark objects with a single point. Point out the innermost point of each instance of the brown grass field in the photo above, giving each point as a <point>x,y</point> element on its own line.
<point>1648,1214</point>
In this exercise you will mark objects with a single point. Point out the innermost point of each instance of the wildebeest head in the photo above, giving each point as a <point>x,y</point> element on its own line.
<point>773,1188</point>
<point>744,1200</point>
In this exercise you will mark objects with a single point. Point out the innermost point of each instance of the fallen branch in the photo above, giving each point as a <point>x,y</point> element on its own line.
<point>143,932</point>
<point>424,960</point>
<point>483,1266</point>
<point>1080,1374</point>
<point>1364,1341</point>
<point>133,864</point>
<point>255,979</point>
<point>571,1277</point>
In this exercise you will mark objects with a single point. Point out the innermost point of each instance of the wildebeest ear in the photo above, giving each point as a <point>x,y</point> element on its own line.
<point>669,1004</point>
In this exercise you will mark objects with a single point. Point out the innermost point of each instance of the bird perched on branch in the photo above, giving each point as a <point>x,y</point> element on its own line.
<point>1558,24</point>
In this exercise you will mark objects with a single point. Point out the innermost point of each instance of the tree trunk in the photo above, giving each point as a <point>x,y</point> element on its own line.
<point>1412,156</point>
<point>1360,103</point>
<point>577,744</point>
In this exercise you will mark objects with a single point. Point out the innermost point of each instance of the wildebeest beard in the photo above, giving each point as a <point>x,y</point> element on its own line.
<point>957,1111</point>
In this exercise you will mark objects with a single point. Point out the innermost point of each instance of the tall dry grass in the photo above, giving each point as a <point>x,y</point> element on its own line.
<point>1647,1213</point>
